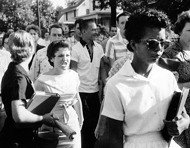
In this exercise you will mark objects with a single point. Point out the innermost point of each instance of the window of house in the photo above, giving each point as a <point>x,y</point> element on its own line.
<point>74,13</point>
<point>66,16</point>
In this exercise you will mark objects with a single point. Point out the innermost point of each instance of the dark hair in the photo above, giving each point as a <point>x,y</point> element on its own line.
<point>140,20</point>
<point>85,23</point>
<point>114,26</point>
<point>56,26</point>
<point>182,19</point>
<point>122,14</point>
<point>33,27</point>
<point>78,21</point>
<point>53,48</point>
<point>5,36</point>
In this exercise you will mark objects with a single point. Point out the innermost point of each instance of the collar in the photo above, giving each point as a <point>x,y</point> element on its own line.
<point>128,71</point>
<point>83,43</point>
<point>15,66</point>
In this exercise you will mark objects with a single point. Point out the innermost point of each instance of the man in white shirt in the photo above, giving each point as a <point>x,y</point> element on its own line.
<point>40,63</point>
<point>86,56</point>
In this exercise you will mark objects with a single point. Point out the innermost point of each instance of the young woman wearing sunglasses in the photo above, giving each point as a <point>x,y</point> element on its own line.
<point>138,95</point>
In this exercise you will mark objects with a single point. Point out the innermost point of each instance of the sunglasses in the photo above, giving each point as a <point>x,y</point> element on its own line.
<point>155,45</point>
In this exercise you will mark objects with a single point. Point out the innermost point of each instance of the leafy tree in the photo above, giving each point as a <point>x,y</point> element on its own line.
<point>70,3</point>
<point>58,12</point>
<point>47,13</point>
<point>171,7</point>
<point>15,14</point>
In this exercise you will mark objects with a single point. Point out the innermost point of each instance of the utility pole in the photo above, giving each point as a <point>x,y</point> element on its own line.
<point>113,12</point>
<point>38,13</point>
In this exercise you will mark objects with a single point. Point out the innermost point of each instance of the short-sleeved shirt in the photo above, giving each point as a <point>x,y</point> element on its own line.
<point>16,85</point>
<point>40,64</point>
<point>141,103</point>
<point>116,47</point>
<point>88,70</point>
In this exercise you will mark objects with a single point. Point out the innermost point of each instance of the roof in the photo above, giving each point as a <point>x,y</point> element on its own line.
<point>78,3</point>
<point>95,15</point>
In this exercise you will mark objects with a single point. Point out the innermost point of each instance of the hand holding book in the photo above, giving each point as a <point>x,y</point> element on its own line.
<point>177,119</point>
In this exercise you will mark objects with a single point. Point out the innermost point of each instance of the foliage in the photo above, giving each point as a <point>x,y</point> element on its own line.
<point>170,7</point>
<point>173,7</point>
<point>58,12</point>
<point>47,13</point>
<point>17,14</point>
<point>71,2</point>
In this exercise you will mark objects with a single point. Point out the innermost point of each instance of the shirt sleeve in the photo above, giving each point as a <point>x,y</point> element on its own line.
<point>112,106</point>
<point>109,47</point>
<point>74,55</point>
<point>18,89</point>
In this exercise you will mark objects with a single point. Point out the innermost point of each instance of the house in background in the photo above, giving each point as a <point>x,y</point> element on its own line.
<point>84,9</point>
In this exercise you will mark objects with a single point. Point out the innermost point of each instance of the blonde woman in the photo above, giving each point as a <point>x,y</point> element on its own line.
<point>20,125</point>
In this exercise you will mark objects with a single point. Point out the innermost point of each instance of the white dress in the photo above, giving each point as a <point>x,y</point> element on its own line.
<point>67,86</point>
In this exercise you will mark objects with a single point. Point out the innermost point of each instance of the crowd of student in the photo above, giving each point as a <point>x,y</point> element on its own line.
<point>119,82</point>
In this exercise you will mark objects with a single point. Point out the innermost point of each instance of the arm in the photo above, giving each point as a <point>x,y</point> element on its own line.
<point>185,84</point>
<point>74,65</point>
<point>25,119</point>
<point>113,133</point>
<point>35,69</point>
<point>22,115</point>
<point>100,128</point>
<point>78,108</point>
<point>109,50</point>
<point>112,62</point>
<point>18,107</point>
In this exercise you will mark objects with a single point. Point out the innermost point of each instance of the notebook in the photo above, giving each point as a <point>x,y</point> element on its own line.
<point>177,104</point>
<point>42,102</point>
<point>175,109</point>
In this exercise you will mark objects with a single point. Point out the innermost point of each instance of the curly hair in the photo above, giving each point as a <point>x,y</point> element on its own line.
<point>53,48</point>
<point>140,20</point>
<point>21,46</point>
<point>35,28</point>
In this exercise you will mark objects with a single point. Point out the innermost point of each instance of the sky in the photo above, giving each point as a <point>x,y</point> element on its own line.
<point>58,3</point>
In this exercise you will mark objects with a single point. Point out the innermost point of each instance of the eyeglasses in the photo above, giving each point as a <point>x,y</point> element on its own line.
<point>155,45</point>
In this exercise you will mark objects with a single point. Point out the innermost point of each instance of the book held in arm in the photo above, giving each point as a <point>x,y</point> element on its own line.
<point>177,104</point>
<point>175,109</point>
<point>42,102</point>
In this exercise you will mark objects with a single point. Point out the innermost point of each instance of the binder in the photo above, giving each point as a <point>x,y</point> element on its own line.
<point>42,102</point>
<point>177,104</point>
<point>175,109</point>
